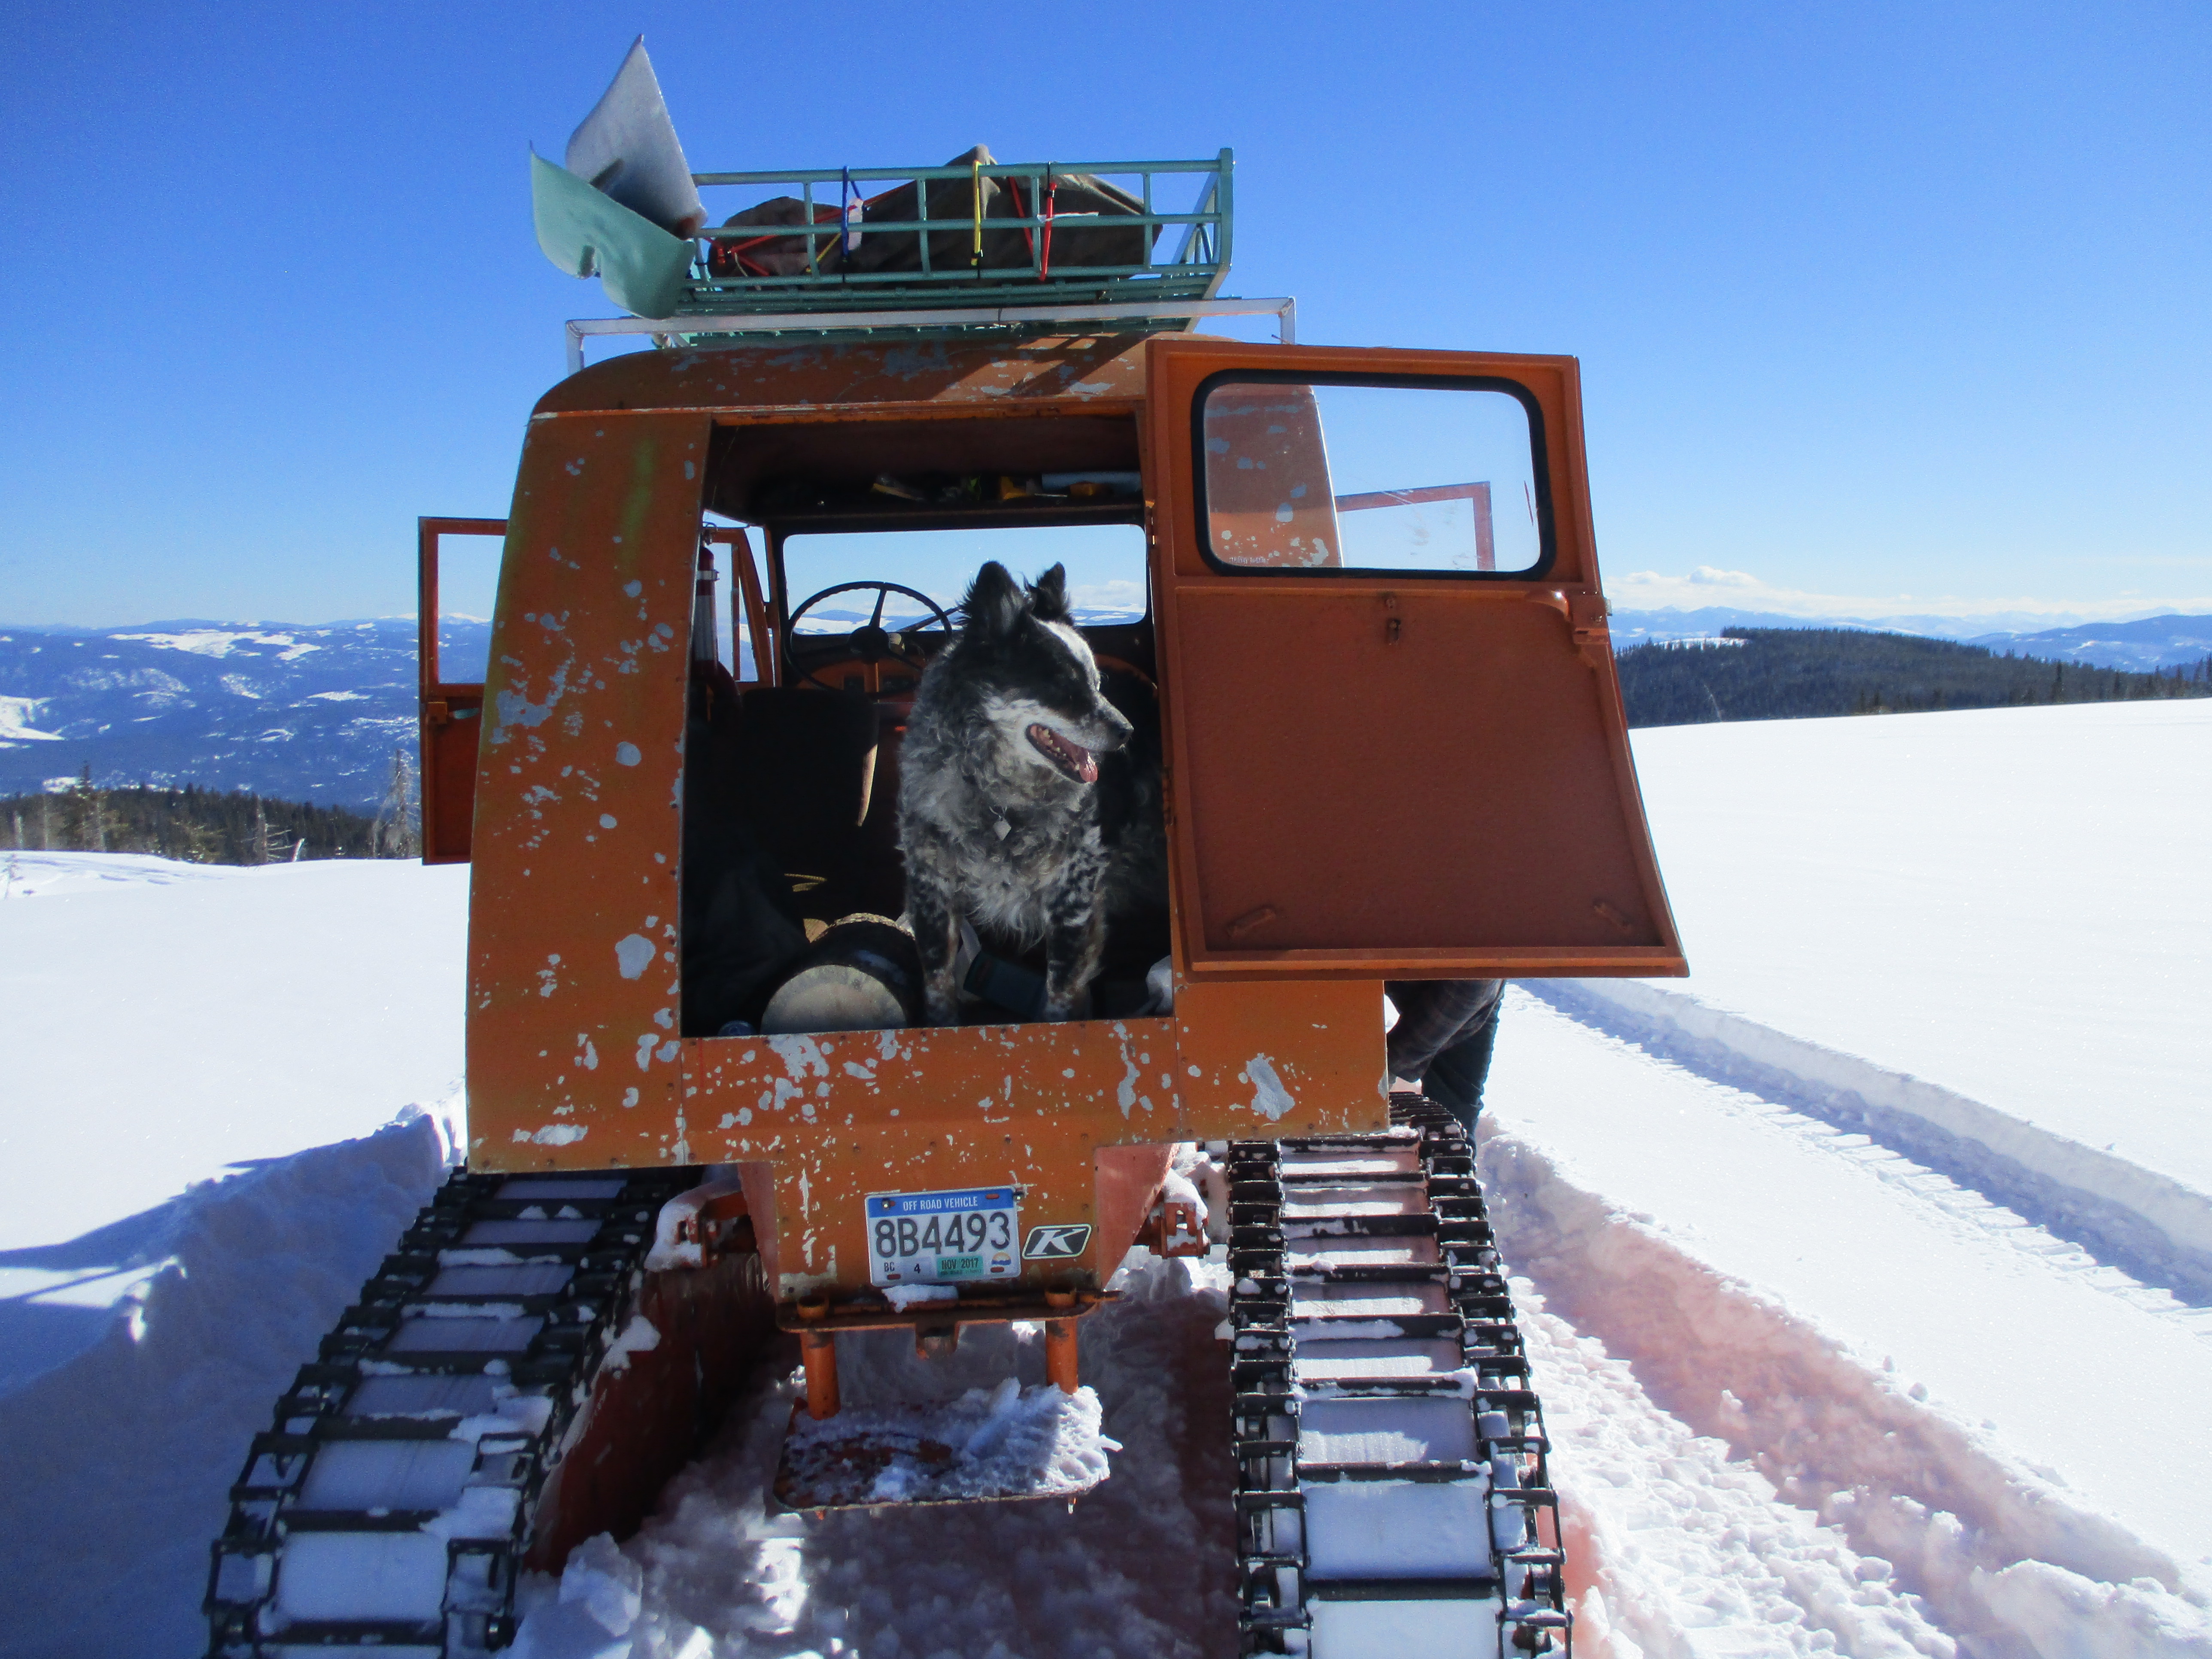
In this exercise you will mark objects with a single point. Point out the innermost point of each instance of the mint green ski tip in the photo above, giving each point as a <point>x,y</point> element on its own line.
<point>583,231</point>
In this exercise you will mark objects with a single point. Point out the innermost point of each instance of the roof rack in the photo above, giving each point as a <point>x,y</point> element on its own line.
<point>1194,271</point>
<point>978,243</point>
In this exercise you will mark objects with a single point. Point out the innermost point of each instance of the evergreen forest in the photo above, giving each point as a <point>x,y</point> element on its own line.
<point>202,826</point>
<point>1784,673</point>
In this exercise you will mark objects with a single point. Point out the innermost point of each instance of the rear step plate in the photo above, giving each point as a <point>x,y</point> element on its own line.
<point>1004,1446</point>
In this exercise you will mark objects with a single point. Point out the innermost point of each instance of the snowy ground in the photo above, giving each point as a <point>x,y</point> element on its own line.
<point>1867,1271</point>
<point>176,1019</point>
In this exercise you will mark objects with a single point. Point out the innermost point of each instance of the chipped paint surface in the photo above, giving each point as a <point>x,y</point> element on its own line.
<point>1315,1042</point>
<point>841,1115</point>
<point>1269,1098</point>
<point>553,1134</point>
<point>817,377</point>
<point>567,963</point>
<point>574,891</point>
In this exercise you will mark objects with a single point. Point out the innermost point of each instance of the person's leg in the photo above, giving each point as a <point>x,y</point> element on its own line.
<point>1455,1076</point>
<point>1432,1015</point>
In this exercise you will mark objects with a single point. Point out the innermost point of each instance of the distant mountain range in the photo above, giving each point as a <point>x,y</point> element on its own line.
<point>1800,673</point>
<point>2146,643</point>
<point>314,712</point>
<point>305,713</point>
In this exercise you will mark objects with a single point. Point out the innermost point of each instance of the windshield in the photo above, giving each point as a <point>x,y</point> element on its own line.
<point>1105,565</point>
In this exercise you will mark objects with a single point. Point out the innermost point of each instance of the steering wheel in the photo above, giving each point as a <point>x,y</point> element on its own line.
<point>871,643</point>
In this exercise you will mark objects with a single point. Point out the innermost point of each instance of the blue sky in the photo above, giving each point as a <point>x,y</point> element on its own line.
<point>1881,307</point>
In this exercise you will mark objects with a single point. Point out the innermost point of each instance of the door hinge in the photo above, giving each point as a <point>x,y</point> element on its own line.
<point>1586,615</point>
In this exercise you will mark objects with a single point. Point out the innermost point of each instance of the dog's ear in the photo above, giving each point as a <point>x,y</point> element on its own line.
<point>1049,596</point>
<point>994,603</point>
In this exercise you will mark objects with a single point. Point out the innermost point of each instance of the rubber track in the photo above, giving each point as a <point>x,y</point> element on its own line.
<point>389,1504</point>
<point>1453,1434</point>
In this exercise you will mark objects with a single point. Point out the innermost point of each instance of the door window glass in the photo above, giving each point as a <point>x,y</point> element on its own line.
<point>1312,477</point>
<point>468,582</point>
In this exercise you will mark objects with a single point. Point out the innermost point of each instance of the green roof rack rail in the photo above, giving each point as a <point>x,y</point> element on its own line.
<point>1015,216</point>
<point>976,242</point>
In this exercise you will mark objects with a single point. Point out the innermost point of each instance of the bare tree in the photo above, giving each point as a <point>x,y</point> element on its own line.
<point>399,831</point>
<point>91,813</point>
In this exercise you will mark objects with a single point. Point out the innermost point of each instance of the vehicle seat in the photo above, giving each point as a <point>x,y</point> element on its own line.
<point>805,771</point>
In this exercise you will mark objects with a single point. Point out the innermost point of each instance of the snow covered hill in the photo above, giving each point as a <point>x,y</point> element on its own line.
<point>2146,643</point>
<point>307,714</point>
<point>293,712</point>
<point>2141,644</point>
<point>1863,1270</point>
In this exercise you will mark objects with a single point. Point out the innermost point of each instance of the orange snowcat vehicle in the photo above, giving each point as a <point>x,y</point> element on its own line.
<point>1356,591</point>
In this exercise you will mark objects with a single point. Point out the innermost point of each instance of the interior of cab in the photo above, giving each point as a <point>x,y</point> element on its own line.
<point>832,581</point>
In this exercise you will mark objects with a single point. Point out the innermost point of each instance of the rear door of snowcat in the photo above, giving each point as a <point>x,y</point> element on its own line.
<point>1395,741</point>
<point>452,705</point>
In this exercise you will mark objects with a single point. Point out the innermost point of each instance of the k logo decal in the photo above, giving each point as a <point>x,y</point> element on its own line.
<point>1063,1241</point>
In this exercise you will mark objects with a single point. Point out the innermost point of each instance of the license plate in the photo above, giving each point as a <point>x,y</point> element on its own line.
<point>944,1238</point>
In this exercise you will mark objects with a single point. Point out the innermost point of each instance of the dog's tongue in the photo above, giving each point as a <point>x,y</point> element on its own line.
<point>1085,763</point>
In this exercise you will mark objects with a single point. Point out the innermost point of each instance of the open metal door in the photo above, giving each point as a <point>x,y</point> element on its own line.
<point>450,710</point>
<point>1395,741</point>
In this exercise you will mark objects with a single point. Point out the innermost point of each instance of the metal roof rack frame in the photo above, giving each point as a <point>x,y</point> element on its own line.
<point>1194,271</point>
<point>715,285</point>
<point>686,330</point>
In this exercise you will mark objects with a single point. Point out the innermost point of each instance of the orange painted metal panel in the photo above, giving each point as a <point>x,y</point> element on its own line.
<point>449,711</point>
<point>452,725</point>
<point>827,379</point>
<point>846,1114</point>
<point>573,901</point>
<point>1278,512</point>
<point>1478,793</point>
<point>1255,1061</point>
<point>573,1056</point>
<point>1378,775</point>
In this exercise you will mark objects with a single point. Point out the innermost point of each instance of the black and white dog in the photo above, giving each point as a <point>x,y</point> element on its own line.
<point>1002,815</point>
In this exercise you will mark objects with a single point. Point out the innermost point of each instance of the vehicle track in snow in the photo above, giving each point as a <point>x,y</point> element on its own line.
<point>2137,1232</point>
<point>1676,1547</point>
<point>1881,1521</point>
